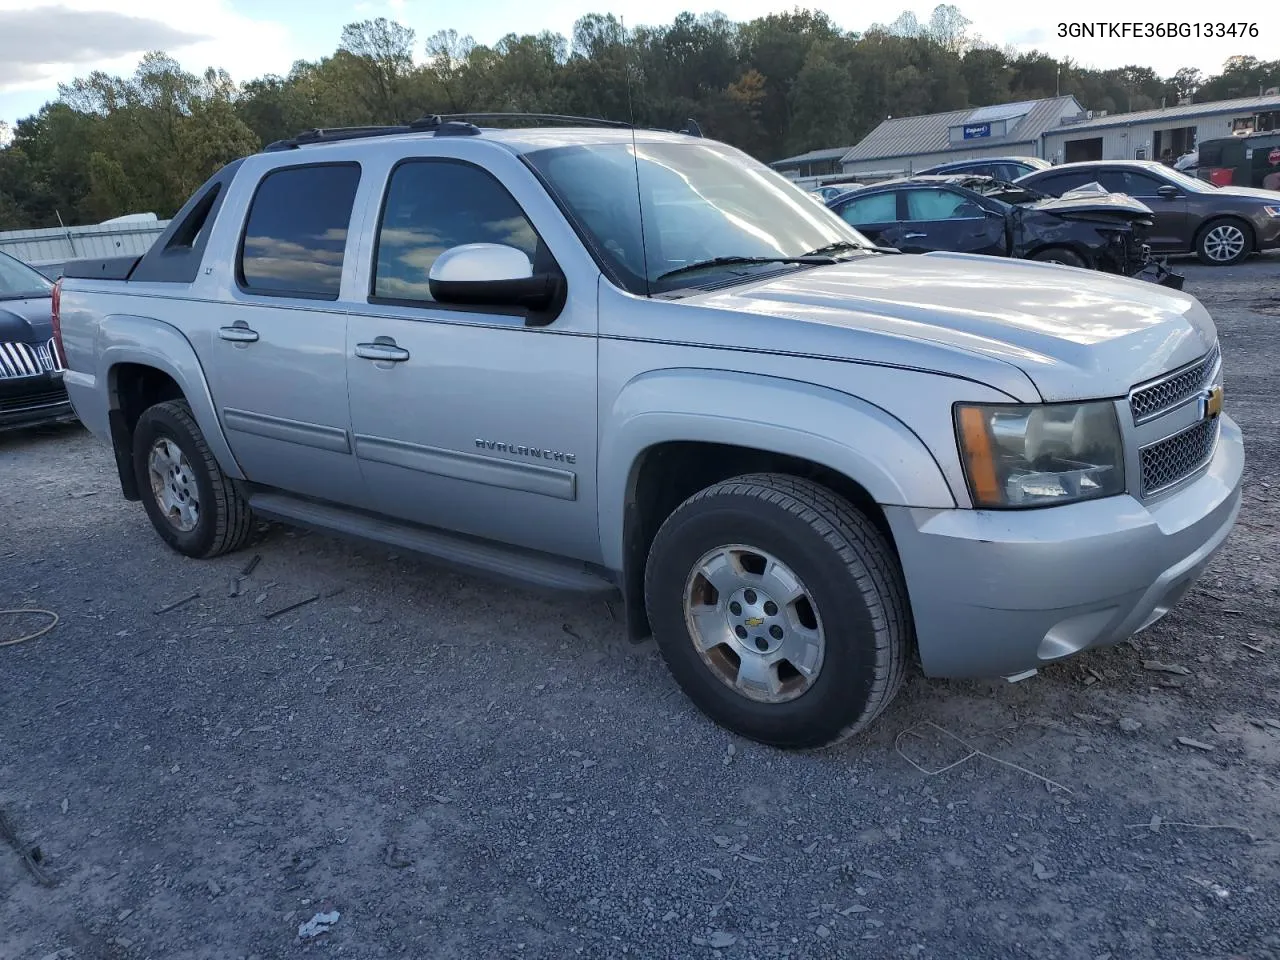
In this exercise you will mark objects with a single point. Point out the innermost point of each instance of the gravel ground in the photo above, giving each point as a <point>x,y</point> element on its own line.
<point>468,771</point>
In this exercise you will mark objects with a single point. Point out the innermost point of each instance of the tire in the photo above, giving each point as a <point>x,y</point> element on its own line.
<point>208,515</point>
<point>853,593</point>
<point>1223,242</point>
<point>1060,255</point>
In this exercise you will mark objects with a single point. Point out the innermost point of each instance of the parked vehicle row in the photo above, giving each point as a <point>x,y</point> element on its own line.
<point>965,213</point>
<point>626,360</point>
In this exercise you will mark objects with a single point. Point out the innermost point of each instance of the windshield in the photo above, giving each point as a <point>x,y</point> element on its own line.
<point>1190,184</point>
<point>18,281</point>
<point>701,201</point>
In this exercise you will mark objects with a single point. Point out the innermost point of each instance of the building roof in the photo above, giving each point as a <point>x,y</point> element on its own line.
<point>910,136</point>
<point>813,156</point>
<point>1189,111</point>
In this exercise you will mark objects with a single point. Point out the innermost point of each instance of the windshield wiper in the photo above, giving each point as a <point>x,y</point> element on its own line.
<point>841,246</point>
<point>729,261</point>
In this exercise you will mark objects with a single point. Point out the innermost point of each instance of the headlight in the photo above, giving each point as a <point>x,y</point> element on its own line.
<point>1272,211</point>
<point>1035,455</point>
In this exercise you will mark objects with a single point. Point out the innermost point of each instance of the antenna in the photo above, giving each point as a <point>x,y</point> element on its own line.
<point>635,156</point>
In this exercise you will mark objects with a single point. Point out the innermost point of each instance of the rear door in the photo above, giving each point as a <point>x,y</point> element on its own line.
<point>871,213</point>
<point>273,343</point>
<point>943,218</point>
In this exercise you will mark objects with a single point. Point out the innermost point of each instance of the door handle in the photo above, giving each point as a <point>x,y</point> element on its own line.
<point>382,348</point>
<point>238,332</point>
<point>913,236</point>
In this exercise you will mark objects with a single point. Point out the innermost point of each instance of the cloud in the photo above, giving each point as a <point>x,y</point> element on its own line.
<point>34,38</point>
<point>51,43</point>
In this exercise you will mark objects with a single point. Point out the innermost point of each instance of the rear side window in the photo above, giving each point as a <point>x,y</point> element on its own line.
<point>433,205</point>
<point>877,208</point>
<point>297,231</point>
<point>1057,184</point>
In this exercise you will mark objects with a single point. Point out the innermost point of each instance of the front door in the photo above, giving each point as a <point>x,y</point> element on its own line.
<point>1170,229</point>
<point>470,420</point>
<point>274,348</point>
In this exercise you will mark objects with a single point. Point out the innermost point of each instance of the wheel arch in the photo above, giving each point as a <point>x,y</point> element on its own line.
<point>144,361</point>
<point>653,458</point>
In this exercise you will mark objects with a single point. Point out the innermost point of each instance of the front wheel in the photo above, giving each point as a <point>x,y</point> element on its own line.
<point>1222,243</point>
<point>1060,255</point>
<point>779,609</point>
<point>193,505</point>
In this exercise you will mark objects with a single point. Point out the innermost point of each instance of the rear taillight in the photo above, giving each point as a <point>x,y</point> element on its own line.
<point>56,317</point>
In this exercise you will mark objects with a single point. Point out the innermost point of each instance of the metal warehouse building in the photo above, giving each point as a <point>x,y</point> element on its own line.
<point>907,144</point>
<point>1057,129</point>
<point>1159,134</point>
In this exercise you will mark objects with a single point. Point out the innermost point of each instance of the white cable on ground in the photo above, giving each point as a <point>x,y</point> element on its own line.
<point>53,622</point>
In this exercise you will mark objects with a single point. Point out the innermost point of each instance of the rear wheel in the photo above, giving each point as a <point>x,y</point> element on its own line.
<point>780,610</point>
<point>1221,243</point>
<point>1060,255</point>
<point>192,504</point>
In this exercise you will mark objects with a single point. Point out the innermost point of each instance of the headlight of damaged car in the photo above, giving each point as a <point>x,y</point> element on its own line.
<point>1037,455</point>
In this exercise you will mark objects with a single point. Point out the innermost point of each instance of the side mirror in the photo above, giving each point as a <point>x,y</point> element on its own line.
<point>1168,191</point>
<point>490,275</point>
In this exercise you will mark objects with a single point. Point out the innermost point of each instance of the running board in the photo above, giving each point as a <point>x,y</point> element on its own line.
<point>481,556</point>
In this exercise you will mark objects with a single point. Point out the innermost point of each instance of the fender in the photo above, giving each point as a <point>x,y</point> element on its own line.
<point>765,413</point>
<point>154,343</point>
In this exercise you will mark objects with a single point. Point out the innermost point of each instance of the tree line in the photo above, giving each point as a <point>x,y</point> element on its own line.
<point>774,86</point>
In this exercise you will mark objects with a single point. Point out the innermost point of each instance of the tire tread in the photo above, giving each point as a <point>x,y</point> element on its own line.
<point>233,518</point>
<point>867,557</point>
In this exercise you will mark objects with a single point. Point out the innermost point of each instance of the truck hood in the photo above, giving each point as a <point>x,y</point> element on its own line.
<point>26,321</point>
<point>1076,334</point>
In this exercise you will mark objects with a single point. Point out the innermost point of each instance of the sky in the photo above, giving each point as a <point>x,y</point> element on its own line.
<point>45,42</point>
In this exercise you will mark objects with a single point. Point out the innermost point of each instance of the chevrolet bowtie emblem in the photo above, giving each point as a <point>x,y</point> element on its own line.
<point>753,621</point>
<point>1212,403</point>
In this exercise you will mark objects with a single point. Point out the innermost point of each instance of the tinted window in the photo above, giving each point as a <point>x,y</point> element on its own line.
<point>1141,184</point>
<point>433,205</point>
<point>940,205</point>
<point>1059,183</point>
<point>877,208</point>
<point>297,231</point>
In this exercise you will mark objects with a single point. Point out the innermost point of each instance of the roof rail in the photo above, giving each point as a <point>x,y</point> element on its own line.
<point>545,117</point>
<point>448,124</point>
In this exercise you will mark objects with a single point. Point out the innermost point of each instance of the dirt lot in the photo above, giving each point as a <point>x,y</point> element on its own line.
<point>467,771</point>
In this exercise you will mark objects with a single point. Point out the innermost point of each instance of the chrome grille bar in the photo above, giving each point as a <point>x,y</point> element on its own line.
<point>1149,400</point>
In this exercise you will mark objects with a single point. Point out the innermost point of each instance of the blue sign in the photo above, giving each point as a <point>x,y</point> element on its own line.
<point>975,131</point>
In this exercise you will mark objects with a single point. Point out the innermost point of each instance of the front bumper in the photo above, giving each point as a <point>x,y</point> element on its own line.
<point>994,593</point>
<point>34,401</point>
<point>1267,234</point>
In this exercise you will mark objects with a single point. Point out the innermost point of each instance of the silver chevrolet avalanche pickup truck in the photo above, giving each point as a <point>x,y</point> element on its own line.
<point>606,359</point>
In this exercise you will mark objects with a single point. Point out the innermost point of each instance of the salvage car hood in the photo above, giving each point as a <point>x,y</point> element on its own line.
<point>26,321</point>
<point>1109,203</point>
<point>1076,334</point>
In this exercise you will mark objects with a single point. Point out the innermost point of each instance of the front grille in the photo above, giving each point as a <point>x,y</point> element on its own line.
<point>33,401</point>
<point>27,360</point>
<point>1175,458</point>
<point>1172,389</point>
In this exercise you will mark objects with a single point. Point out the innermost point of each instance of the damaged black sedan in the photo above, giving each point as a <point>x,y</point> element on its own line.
<point>972,214</point>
